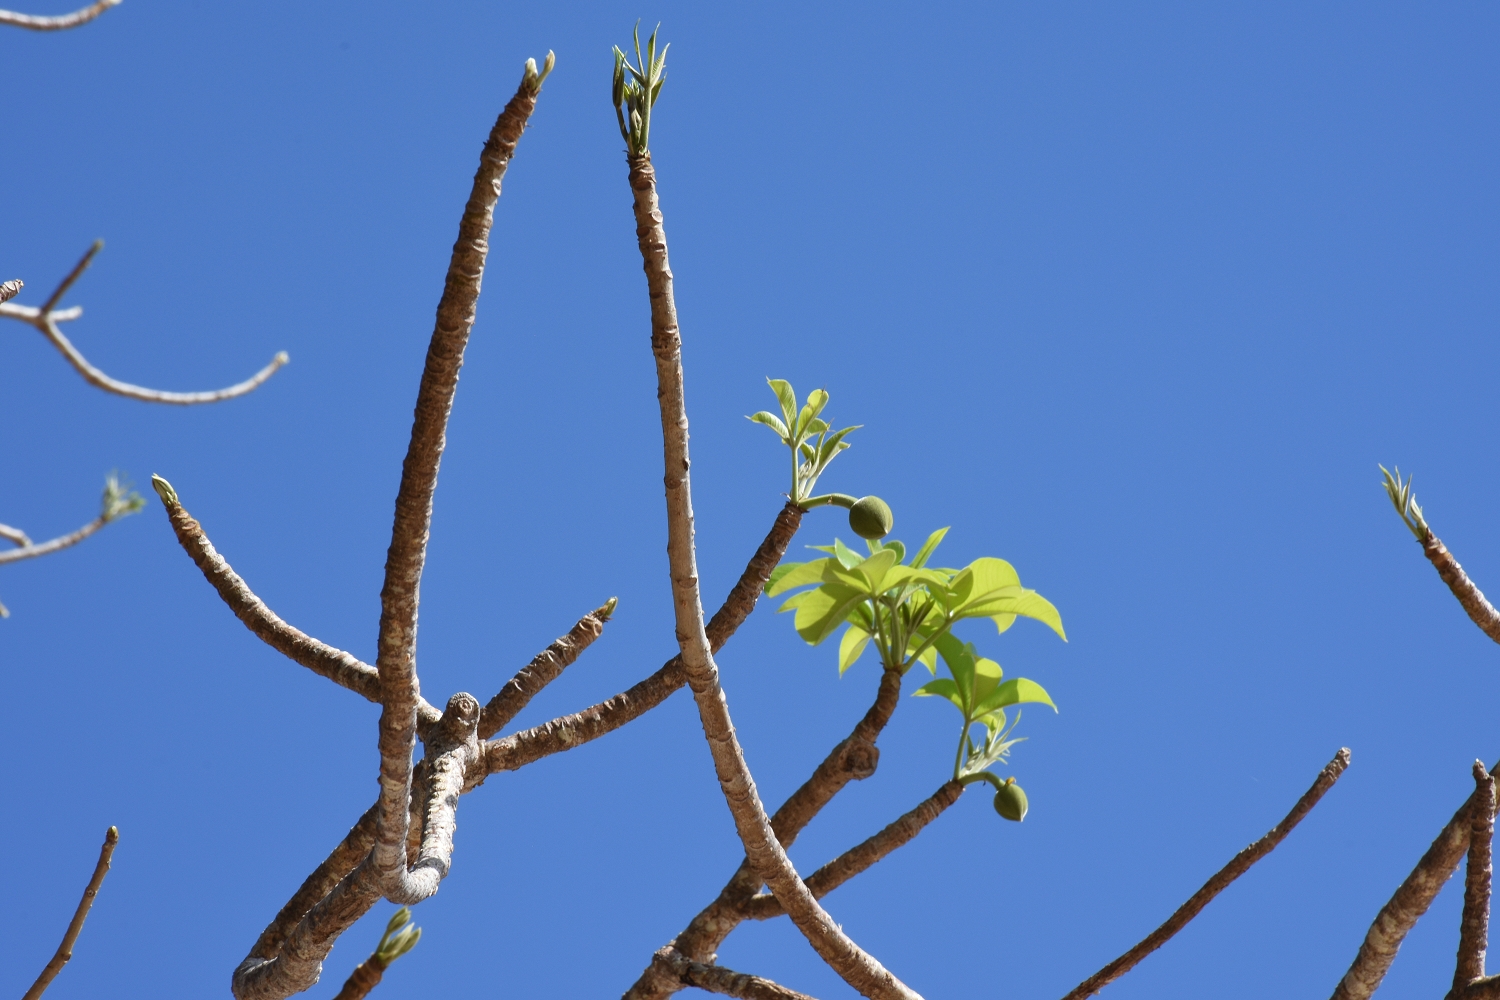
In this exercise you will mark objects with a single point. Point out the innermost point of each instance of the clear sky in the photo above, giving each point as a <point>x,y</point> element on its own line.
<point>1133,296</point>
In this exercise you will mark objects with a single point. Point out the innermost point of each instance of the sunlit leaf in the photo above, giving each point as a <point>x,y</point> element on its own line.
<point>899,549</point>
<point>822,611</point>
<point>1015,601</point>
<point>789,575</point>
<point>943,687</point>
<point>846,556</point>
<point>876,568</point>
<point>772,421</point>
<point>1017,691</point>
<point>852,646</point>
<point>786,397</point>
<point>925,552</point>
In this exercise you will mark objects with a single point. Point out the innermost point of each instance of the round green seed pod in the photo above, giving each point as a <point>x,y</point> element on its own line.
<point>1010,801</point>
<point>870,517</point>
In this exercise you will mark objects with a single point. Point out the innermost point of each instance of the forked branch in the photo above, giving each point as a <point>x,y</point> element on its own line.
<point>59,22</point>
<point>75,926</point>
<point>725,982</point>
<point>46,317</point>
<point>1237,866</point>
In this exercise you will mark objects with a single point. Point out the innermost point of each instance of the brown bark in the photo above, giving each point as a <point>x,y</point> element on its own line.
<point>60,22</point>
<point>859,969</point>
<point>365,977</point>
<point>32,551</point>
<point>64,951</point>
<point>725,982</point>
<point>1474,928</point>
<point>10,289</point>
<point>543,669</point>
<point>400,594</point>
<point>862,857</point>
<point>1237,866</point>
<point>1480,611</point>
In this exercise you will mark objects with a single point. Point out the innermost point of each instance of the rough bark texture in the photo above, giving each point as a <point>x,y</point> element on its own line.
<point>852,862</point>
<point>726,982</point>
<point>397,644</point>
<point>766,855</point>
<point>365,977</point>
<point>1480,611</point>
<point>543,669</point>
<point>75,926</point>
<point>1237,866</point>
<point>1406,907</point>
<point>1474,929</point>
<point>60,22</point>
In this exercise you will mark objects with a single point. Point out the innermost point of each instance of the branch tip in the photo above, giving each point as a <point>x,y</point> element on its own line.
<point>164,490</point>
<point>1405,503</point>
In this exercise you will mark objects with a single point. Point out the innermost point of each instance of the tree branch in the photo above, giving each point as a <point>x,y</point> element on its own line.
<point>61,22</point>
<point>1480,611</point>
<point>344,669</point>
<point>399,596</point>
<point>48,316</point>
<point>15,535</point>
<point>769,859</point>
<point>1397,917</point>
<point>856,860</point>
<point>543,669</point>
<point>726,982</point>
<point>10,289</point>
<point>75,926</point>
<point>1474,929</point>
<point>1237,866</point>
<point>31,551</point>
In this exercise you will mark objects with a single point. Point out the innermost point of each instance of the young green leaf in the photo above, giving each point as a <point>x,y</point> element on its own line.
<point>1017,691</point>
<point>772,421</point>
<point>822,611</point>
<point>789,575</point>
<point>846,556</point>
<point>925,552</point>
<point>852,646</point>
<point>943,687</point>
<point>787,398</point>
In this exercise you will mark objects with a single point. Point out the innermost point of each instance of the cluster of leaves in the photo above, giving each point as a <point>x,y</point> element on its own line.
<point>907,611</point>
<point>812,440</point>
<point>636,88</point>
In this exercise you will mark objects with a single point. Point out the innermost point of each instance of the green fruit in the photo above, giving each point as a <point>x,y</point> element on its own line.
<point>871,518</point>
<point>1010,801</point>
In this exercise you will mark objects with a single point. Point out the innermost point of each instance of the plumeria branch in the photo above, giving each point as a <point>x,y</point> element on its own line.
<point>46,317</point>
<point>59,22</point>
<point>1474,928</point>
<point>75,926</point>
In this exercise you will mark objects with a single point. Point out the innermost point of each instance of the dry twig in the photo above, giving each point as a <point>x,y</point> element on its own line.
<point>46,317</point>
<point>59,22</point>
<point>1237,866</point>
<point>70,937</point>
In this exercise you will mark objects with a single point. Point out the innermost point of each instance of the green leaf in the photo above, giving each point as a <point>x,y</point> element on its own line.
<point>789,575</point>
<point>822,611</point>
<point>846,556</point>
<point>1017,691</point>
<point>833,444</point>
<point>992,574</point>
<point>772,421</point>
<point>852,646</point>
<point>787,398</point>
<point>987,674</point>
<point>793,602</point>
<point>899,549</point>
<point>876,568</point>
<point>920,559</point>
<point>959,658</point>
<point>816,400</point>
<point>814,426</point>
<point>943,687</point>
<point>1014,601</point>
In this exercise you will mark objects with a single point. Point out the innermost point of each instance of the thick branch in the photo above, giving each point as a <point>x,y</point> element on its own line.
<point>1397,917</point>
<point>1474,929</point>
<point>75,926</point>
<point>344,669</point>
<point>1240,864</point>
<point>61,22</point>
<point>1480,611</point>
<point>852,862</point>
<point>765,853</point>
<point>543,669</point>
<point>400,594</point>
<point>725,982</point>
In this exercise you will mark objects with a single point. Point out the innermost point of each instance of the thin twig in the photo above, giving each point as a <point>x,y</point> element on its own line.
<point>396,650</point>
<point>1474,929</point>
<point>14,535</point>
<point>61,22</point>
<point>1240,864</point>
<point>855,966</point>
<point>1397,917</point>
<point>31,551</point>
<point>65,950</point>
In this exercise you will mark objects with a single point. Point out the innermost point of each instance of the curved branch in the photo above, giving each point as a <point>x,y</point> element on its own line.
<point>1237,866</point>
<point>31,551</point>
<point>75,926</point>
<point>725,982</point>
<point>396,649</point>
<point>60,22</point>
<point>48,316</point>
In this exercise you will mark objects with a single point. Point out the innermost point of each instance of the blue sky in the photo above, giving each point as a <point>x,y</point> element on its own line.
<point>1133,297</point>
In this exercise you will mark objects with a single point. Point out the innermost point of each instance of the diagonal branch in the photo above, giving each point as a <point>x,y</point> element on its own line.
<point>764,851</point>
<point>61,22</point>
<point>399,596</point>
<point>1474,930</point>
<point>1237,866</point>
<point>725,982</point>
<point>75,926</point>
<point>31,550</point>
<point>856,860</point>
<point>1397,917</point>
<point>543,669</point>
<point>344,669</point>
<point>46,318</point>
<point>15,535</point>
<point>1480,611</point>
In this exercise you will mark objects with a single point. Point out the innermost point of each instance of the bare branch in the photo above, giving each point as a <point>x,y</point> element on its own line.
<point>396,651</point>
<point>344,669</point>
<point>1480,611</point>
<point>852,862</point>
<point>1397,917</point>
<point>543,669</point>
<point>14,535</point>
<point>31,551</point>
<point>61,22</point>
<point>10,289</point>
<point>859,969</point>
<point>717,979</point>
<point>399,938</point>
<point>1237,866</point>
<point>65,950</point>
<point>48,316</point>
<point>1474,930</point>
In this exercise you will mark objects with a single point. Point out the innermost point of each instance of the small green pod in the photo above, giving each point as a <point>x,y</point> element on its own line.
<point>871,518</point>
<point>1010,801</point>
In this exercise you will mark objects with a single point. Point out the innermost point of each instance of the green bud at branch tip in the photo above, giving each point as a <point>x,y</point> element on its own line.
<point>604,613</point>
<point>164,490</point>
